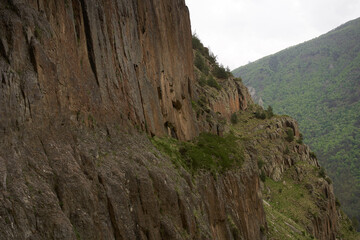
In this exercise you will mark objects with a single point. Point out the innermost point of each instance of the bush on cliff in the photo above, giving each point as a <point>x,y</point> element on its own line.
<point>234,118</point>
<point>289,135</point>
<point>269,112</point>
<point>207,152</point>
<point>213,83</point>
<point>220,72</point>
<point>212,152</point>
<point>200,64</point>
<point>260,114</point>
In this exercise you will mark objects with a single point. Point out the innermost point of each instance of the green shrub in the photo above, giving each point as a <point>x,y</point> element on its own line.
<point>312,155</point>
<point>329,181</point>
<point>300,140</point>
<point>196,43</point>
<point>289,135</point>
<point>234,118</point>
<point>262,229</point>
<point>355,223</point>
<point>228,71</point>
<point>262,176</point>
<point>269,112</point>
<point>199,61</point>
<point>213,83</point>
<point>200,64</point>
<point>260,114</point>
<point>234,230</point>
<point>287,151</point>
<point>212,152</point>
<point>260,163</point>
<point>202,80</point>
<point>322,172</point>
<point>337,202</point>
<point>212,58</point>
<point>219,72</point>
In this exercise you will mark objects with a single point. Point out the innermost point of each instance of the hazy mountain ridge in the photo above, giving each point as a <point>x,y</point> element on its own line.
<point>318,83</point>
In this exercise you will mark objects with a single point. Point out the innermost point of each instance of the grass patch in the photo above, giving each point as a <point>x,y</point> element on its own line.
<point>347,231</point>
<point>289,135</point>
<point>169,147</point>
<point>234,118</point>
<point>282,227</point>
<point>292,200</point>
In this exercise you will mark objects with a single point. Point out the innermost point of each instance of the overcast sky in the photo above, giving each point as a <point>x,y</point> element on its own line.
<point>239,31</point>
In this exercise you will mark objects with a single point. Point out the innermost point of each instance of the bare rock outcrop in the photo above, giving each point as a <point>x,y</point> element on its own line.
<point>129,61</point>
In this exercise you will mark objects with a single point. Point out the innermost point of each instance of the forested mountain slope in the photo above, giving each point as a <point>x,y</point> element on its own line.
<point>318,83</point>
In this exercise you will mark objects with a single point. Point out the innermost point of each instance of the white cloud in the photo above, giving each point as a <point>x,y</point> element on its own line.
<point>239,31</point>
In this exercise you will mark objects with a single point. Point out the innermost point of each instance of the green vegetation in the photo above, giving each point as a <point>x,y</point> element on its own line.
<point>234,118</point>
<point>317,83</point>
<point>263,114</point>
<point>198,46</point>
<point>220,72</point>
<point>38,32</point>
<point>291,205</point>
<point>301,139</point>
<point>202,80</point>
<point>260,114</point>
<point>262,176</point>
<point>234,230</point>
<point>313,155</point>
<point>289,135</point>
<point>269,112</point>
<point>284,198</point>
<point>200,63</point>
<point>347,229</point>
<point>208,152</point>
<point>209,70</point>
<point>322,172</point>
<point>213,83</point>
<point>260,163</point>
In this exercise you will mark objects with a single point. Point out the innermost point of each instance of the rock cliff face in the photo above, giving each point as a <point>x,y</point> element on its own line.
<point>79,81</point>
<point>77,77</point>
<point>114,60</point>
<point>234,97</point>
<point>110,185</point>
<point>214,108</point>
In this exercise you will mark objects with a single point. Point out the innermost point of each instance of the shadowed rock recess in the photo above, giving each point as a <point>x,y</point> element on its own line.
<point>84,85</point>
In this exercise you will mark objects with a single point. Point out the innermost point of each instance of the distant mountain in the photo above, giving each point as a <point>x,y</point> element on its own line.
<point>318,83</point>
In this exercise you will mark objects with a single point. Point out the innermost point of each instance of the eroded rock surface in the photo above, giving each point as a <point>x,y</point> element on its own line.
<point>77,77</point>
<point>126,60</point>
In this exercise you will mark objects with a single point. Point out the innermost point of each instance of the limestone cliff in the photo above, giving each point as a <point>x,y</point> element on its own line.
<point>118,61</point>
